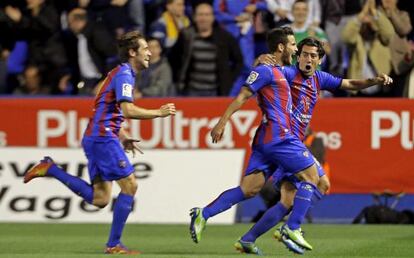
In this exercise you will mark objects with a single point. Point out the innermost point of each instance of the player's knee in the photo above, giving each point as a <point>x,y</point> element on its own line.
<point>252,184</point>
<point>131,188</point>
<point>313,179</point>
<point>251,192</point>
<point>101,202</point>
<point>134,188</point>
<point>287,199</point>
<point>324,185</point>
<point>309,175</point>
<point>287,202</point>
<point>101,198</point>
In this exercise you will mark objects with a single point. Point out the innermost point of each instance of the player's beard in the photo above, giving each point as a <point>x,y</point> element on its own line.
<point>286,58</point>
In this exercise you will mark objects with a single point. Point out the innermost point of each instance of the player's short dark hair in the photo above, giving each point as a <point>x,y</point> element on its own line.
<point>278,36</point>
<point>129,40</point>
<point>312,42</point>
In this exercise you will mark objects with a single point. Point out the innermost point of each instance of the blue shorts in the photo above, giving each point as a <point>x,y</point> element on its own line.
<point>280,175</point>
<point>106,158</point>
<point>290,154</point>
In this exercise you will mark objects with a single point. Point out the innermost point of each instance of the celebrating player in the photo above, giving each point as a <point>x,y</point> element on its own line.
<point>274,143</point>
<point>306,82</point>
<point>102,140</point>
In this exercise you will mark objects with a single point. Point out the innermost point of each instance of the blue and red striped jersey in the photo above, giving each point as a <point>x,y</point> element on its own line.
<point>305,93</point>
<point>274,100</point>
<point>117,87</point>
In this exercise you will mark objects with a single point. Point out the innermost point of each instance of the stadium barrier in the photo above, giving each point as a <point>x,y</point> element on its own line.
<point>369,142</point>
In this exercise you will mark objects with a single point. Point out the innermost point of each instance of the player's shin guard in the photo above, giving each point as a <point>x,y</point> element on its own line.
<point>301,204</point>
<point>75,184</point>
<point>269,219</point>
<point>223,202</point>
<point>122,208</point>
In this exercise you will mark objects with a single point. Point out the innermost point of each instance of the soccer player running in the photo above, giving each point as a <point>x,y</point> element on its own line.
<point>103,137</point>
<point>306,82</point>
<point>274,143</point>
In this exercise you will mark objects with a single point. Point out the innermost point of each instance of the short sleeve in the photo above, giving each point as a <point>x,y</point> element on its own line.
<point>328,81</point>
<point>260,76</point>
<point>124,88</point>
<point>289,72</point>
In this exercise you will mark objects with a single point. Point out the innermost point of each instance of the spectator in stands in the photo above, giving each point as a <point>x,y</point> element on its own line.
<point>409,83</point>
<point>7,42</point>
<point>283,15</point>
<point>169,25</point>
<point>91,49</point>
<point>302,30</point>
<point>13,49</point>
<point>31,83</point>
<point>401,56</point>
<point>153,10</point>
<point>105,11</point>
<point>136,15</point>
<point>16,62</point>
<point>4,53</point>
<point>368,37</point>
<point>237,18</point>
<point>335,15</point>
<point>279,11</point>
<point>39,25</point>
<point>156,80</point>
<point>206,59</point>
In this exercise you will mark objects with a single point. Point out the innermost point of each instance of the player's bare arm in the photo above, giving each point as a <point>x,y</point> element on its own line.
<point>359,84</point>
<point>236,104</point>
<point>129,110</point>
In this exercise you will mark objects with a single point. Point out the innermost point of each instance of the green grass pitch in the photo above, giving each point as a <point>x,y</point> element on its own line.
<point>173,241</point>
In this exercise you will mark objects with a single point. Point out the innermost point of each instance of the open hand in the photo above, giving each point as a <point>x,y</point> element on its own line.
<point>131,145</point>
<point>217,133</point>
<point>267,59</point>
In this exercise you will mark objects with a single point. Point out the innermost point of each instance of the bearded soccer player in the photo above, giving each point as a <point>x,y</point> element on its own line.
<point>104,138</point>
<point>305,82</point>
<point>274,143</point>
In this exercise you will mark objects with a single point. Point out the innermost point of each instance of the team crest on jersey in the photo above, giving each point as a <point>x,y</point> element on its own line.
<point>306,102</point>
<point>306,153</point>
<point>252,77</point>
<point>127,90</point>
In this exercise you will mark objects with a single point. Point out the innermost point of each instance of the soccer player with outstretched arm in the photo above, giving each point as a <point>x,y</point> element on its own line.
<point>306,82</point>
<point>274,143</point>
<point>104,141</point>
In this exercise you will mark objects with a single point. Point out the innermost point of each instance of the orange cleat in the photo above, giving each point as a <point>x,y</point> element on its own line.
<point>120,249</point>
<point>39,170</point>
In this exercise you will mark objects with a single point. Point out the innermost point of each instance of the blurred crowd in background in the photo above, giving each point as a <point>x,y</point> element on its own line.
<point>199,48</point>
